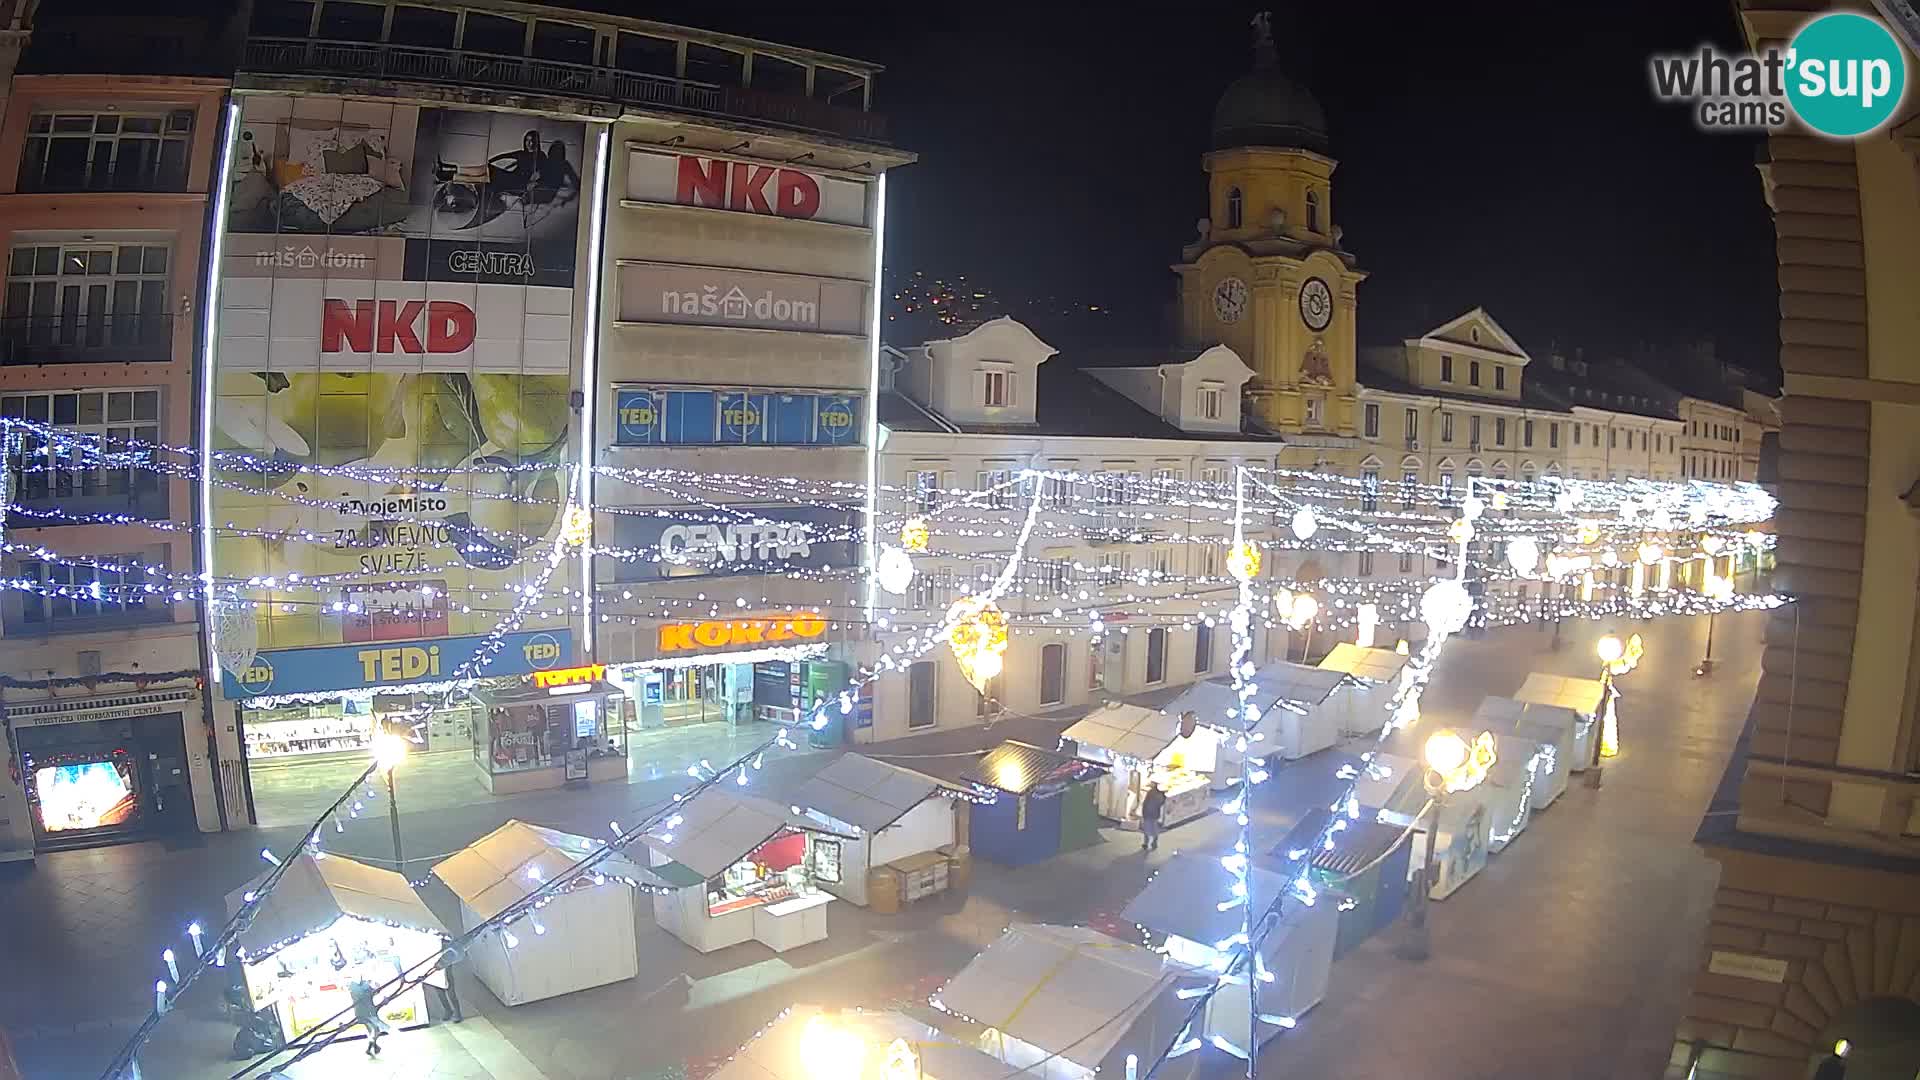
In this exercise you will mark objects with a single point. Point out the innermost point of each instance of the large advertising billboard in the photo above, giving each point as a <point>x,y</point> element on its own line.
<point>396,335</point>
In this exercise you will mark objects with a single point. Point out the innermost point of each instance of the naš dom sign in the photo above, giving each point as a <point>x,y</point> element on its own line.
<point>750,630</point>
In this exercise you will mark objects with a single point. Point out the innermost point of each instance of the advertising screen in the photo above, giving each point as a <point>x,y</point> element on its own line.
<point>396,349</point>
<point>85,795</point>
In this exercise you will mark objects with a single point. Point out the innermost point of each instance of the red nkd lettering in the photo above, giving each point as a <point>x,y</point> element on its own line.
<point>738,185</point>
<point>701,183</point>
<point>389,326</point>
<point>797,195</point>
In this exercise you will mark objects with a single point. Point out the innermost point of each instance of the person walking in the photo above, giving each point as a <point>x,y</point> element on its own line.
<point>1151,807</point>
<point>366,1012</point>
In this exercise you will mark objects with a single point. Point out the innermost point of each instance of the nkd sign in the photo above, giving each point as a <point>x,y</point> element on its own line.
<point>745,187</point>
<point>396,326</point>
<point>714,296</point>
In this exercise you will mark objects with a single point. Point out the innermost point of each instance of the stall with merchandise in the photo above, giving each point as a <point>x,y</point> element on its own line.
<point>1146,747</point>
<point>583,933</point>
<point>1551,726</point>
<point>1183,901</point>
<point>906,829</point>
<point>1067,1003</point>
<point>1374,676</point>
<point>738,868</point>
<point>811,1043</point>
<point>549,729</point>
<point>1041,804</point>
<point>1582,697</point>
<point>330,922</point>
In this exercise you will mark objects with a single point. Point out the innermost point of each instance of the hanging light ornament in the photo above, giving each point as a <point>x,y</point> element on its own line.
<point>1444,607</point>
<point>1499,500</point>
<point>576,526</point>
<point>1523,554</point>
<point>1567,498</point>
<point>893,570</point>
<point>1303,524</point>
<point>1243,562</point>
<point>1461,531</point>
<point>1588,532</point>
<point>1472,507</point>
<point>1650,553</point>
<point>1712,543</point>
<point>914,534</point>
<point>1629,511</point>
<point>1302,610</point>
<point>1660,520</point>
<point>978,639</point>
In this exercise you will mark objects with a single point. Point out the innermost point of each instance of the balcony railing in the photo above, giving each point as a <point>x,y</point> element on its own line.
<point>86,339</point>
<point>61,497</point>
<point>387,63</point>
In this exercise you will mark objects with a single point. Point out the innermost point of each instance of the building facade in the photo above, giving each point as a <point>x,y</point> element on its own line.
<point>1811,937</point>
<point>1714,445</point>
<point>106,166</point>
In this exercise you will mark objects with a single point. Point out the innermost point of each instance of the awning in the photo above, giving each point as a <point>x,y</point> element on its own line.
<point>1129,730</point>
<point>718,828</point>
<point>1183,898</point>
<point>1377,665</point>
<point>501,868</point>
<point>1581,695</point>
<point>1019,769</point>
<point>314,892</point>
<point>776,1053</point>
<point>860,791</point>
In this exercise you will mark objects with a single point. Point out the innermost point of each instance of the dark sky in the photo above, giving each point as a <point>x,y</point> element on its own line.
<point>1496,153</point>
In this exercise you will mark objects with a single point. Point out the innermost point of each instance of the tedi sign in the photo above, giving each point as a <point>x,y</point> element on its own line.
<point>396,326</point>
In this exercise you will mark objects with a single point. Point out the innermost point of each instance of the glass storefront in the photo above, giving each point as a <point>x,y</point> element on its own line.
<point>576,735</point>
<point>347,726</point>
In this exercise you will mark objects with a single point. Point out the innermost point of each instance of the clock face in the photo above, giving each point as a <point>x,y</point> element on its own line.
<point>1230,299</point>
<point>1316,304</point>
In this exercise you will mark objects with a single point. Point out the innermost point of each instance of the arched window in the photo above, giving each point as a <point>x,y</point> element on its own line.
<point>1313,211</point>
<point>1236,208</point>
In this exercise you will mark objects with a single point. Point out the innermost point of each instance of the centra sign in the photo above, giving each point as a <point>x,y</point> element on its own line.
<point>748,631</point>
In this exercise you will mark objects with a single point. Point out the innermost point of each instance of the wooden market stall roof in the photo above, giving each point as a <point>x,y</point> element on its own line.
<point>1019,768</point>
<point>1581,695</point>
<point>717,828</point>
<point>315,891</point>
<point>501,868</point>
<point>1378,665</point>
<point>1130,730</point>
<point>864,792</point>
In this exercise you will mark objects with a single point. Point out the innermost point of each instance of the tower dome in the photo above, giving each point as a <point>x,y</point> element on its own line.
<point>1265,108</point>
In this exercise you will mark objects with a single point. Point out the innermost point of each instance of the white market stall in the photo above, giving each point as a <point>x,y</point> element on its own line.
<point>1507,792</point>
<point>586,931</point>
<point>1583,697</point>
<point>1066,1002</point>
<point>328,922</point>
<point>1374,676</point>
<point>1551,726</point>
<point>1143,747</point>
<point>1290,700</point>
<point>1465,827</point>
<point>896,816</point>
<point>1182,902</point>
<point>810,1043</point>
<point>742,869</point>
<point>1390,787</point>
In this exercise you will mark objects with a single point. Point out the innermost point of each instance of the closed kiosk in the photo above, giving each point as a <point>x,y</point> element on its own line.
<point>1370,864</point>
<point>1374,676</point>
<point>1550,726</point>
<point>1390,788</point>
<point>1028,787</point>
<point>1507,791</point>
<point>1292,722</point>
<point>1582,697</point>
<point>892,813</point>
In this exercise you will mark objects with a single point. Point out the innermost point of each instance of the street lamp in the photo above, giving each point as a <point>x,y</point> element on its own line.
<point>1719,590</point>
<point>389,750</point>
<point>1452,765</point>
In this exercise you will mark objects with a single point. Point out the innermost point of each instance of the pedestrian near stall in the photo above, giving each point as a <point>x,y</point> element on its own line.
<point>1151,807</point>
<point>367,1012</point>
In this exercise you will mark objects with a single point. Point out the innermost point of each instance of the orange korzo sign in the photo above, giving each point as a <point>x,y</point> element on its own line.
<point>590,673</point>
<point>751,630</point>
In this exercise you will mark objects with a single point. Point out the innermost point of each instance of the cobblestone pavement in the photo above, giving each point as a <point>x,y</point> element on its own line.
<point>1568,957</point>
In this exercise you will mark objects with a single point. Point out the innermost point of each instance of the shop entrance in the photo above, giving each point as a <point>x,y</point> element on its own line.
<point>105,781</point>
<point>698,695</point>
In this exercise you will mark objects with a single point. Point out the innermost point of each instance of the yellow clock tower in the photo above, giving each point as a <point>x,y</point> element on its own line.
<point>1267,276</point>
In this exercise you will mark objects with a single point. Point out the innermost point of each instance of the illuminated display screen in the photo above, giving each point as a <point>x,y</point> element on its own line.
<point>85,795</point>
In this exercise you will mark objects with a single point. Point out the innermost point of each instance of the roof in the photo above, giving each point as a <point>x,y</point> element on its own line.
<point>860,791</point>
<point>1068,990</point>
<point>1281,680</point>
<point>1379,665</point>
<point>315,891</point>
<point>1018,768</point>
<point>1284,680</point>
<point>776,1054</point>
<point>501,868</point>
<point>1265,108</point>
<point>1382,777</point>
<point>718,828</point>
<point>1127,729</point>
<point>1167,905</point>
<point>1376,379</point>
<point>1357,846</point>
<point>1581,695</point>
<point>1507,714</point>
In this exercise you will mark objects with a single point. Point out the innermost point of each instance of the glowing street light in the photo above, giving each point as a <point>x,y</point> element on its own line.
<point>1611,649</point>
<point>389,750</point>
<point>829,1051</point>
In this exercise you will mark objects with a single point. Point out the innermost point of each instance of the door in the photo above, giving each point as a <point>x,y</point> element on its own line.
<point>1053,674</point>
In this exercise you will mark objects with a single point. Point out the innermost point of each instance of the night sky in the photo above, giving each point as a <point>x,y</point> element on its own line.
<point>1504,154</point>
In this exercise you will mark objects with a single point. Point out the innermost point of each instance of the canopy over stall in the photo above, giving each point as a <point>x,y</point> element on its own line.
<point>1551,726</point>
<point>1583,696</point>
<point>809,1043</point>
<point>894,813</point>
<point>589,938</point>
<point>1065,1002</point>
<point>1146,747</point>
<point>1374,676</point>
<point>1043,805</point>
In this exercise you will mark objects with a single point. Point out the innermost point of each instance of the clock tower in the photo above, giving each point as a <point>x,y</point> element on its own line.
<point>1267,276</point>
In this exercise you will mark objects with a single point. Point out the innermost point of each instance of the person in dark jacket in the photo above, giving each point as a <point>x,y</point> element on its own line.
<point>367,1012</point>
<point>1151,807</point>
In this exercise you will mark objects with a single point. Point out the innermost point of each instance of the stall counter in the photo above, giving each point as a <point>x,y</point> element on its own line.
<point>792,923</point>
<point>1187,796</point>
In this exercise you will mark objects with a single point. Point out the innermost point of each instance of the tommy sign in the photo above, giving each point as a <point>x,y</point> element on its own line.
<point>744,187</point>
<point>716,296</point>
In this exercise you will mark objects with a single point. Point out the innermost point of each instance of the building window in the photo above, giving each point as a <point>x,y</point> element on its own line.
<point>1366,564</point>
<point>1526,433</point>
<point>996,389</point>
<point>1213,475</point>
<point>1162,560</point>
<point>1097,665</point>
<point>1499,376</point>
<point>1446,483</point>
<point>1577,429</point>
<point>97,592</point>
<point>1406,562</point>
<point>1053,673</point>
<point>1316,411</point>
<point>1236,208</point>
<point>1156,655</point>
<point>926,490</point>
<point>1446,368</point>
<point>1370,489</point>
<point>111,151</point>
<point>1526,473</point>
<point>997,486</point>
<point>1202,649</point>
<point>1413,427</point>
<point>1473,334</point>
<point>76,480</point>
<point>1210,397</point>
<point>1553,436</point>
<point>1473,431</point>
<point>1313,211</point>
<point>1208,562</point>
<point>1613,438</point>
<point>1372,419</point>
<point>1499,431</point>
<point>1473,373</point>
<point>79,302</point>
<point>1596,434</point>
<point>922,681</point>
<point>1446,427</point>
<point>1409,484</point>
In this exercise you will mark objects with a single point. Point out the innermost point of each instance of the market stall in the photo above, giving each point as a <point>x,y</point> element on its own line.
<point>1141,748</point>
<point>1549,726</point>
<point>1368,868</point>
<point>906,830</point>
<point>1042,804</point>
<point>1293,721</point>
<point>1583,697</point>
<point>586,935</point>
<point>1390,788</point>
<point>811,1043</point>
<point>1066,1002</point>
<point>1507,792</point>
<point>550,729</point>
<point>331,921</point>
<point>743,869</point>
<point>1465,829</point>
<point>1374,676</point>
<point>1182,902</point>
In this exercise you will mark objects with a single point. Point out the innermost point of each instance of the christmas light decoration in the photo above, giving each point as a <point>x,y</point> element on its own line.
<point>1455,764</point>
<point>1523,554</point>
<point>915,534</point>
<point>1243,561</point>
<point>1303,524</point>
<point>893,570</point>
<point>978,639</point>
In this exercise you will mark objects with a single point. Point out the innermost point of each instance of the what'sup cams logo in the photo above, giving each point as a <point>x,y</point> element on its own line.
<point>1843,75</point>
